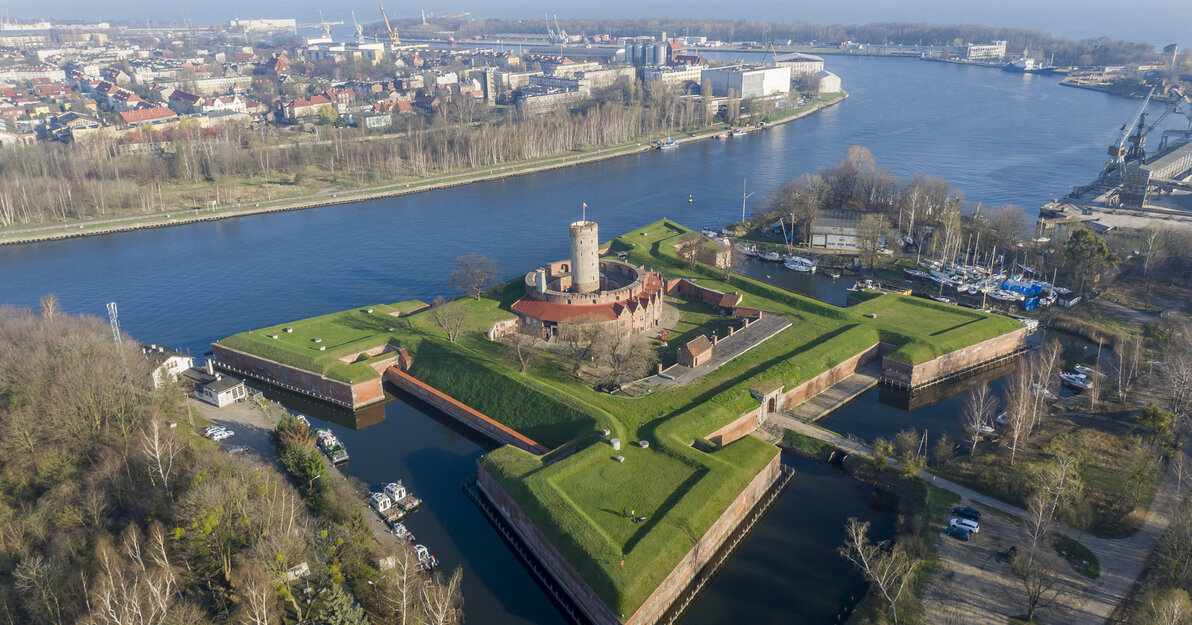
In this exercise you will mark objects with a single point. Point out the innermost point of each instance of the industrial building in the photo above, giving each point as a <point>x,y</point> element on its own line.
<point>827,82</point>
<point>748,81</point>
<point>586,291</point>
<point>835,230</point>
<point>799,63</point>
<point>674,74</point>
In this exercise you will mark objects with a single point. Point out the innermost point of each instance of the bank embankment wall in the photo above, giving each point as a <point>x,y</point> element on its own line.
<point>349,395</point>
<point>656,605</point>
<point>954,362</point>
<point>462,412</point>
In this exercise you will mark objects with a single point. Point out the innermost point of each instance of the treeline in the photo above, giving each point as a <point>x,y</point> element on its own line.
<point>54,182</point>
<point>113,511</point>
<point>1096,51</point>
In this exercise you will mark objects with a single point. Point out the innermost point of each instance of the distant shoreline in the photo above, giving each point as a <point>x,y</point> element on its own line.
<point>54,232</point>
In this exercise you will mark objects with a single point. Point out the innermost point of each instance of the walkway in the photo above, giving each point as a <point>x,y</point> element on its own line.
<point>823,403</point>
<point>1122,560</point>
<point>725,350</point>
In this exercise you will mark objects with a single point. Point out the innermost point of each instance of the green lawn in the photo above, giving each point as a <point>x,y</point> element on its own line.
<point>577,501</point>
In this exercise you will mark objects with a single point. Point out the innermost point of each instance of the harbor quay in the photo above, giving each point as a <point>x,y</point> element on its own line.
<point>627,497</point>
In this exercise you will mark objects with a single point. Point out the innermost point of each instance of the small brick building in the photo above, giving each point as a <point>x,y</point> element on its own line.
<point>696,352</point>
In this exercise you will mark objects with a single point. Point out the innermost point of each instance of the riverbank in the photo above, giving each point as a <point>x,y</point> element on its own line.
<point>92,227</point>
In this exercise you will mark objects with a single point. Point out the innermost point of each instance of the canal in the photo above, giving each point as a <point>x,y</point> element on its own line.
<point>1001,137</point>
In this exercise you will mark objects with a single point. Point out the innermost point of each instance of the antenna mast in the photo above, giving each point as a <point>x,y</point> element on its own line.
<point>117,338</point>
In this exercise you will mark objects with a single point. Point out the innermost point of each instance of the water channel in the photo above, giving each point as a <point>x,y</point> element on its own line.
<point>1002,137</point>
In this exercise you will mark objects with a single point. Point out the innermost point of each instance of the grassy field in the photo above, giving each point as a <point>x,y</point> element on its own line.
<point>578,501</point>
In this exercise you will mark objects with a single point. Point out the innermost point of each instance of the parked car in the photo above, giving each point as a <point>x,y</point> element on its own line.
<point>211,430</point>
<point>967,524</point>
<point>957,532</point>
<point>967,513</point>
<point>222,434</point>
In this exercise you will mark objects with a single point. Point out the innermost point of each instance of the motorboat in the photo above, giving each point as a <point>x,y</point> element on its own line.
<point>773,257</point>
<point>798,263</point>
<point>401,532</point>
<point>747,249</point>
<point>425,558</point>
<point>1087,371</point>
<point>1076,380</point>
<point>917,273</point>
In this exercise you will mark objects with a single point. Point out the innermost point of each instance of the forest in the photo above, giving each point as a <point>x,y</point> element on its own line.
<point>114,511</point>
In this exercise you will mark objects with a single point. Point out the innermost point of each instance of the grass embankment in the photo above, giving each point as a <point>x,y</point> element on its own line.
<point>676,490</point>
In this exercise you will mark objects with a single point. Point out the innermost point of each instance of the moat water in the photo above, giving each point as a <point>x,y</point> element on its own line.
<point>1001,137</point>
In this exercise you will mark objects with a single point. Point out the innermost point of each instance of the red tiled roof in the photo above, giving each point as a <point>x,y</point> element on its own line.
<point>147,115</point>
<point>550,311</point>
<point>698,345</point>
<point>729,300</point>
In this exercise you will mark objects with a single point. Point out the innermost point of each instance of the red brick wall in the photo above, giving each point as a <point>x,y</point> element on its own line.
<point>952,362</point>
<point>743,426</point>
<point>462,412</point>
<point>298,380</point>
<point>821,382</point>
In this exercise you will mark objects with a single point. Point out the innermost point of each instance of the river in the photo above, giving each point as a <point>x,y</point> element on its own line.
<point>1001,137</point>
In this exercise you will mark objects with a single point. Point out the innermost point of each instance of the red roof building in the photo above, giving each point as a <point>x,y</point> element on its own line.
<point>155,115</point>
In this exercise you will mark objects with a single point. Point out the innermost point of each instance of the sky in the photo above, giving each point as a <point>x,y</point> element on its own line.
<point>1159,22</point>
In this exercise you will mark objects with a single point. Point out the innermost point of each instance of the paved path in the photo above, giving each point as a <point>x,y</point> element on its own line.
<point>725,350</point>
<point>1122,560</point>
<point>823,403</point>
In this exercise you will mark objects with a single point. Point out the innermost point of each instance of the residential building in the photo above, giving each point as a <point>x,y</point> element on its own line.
<point>155,115</point>
<point>215,388</point>
<point>305,107</point>
<point>165,364</point>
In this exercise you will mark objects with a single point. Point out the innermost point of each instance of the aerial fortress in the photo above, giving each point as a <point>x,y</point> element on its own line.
<point>623,497</point>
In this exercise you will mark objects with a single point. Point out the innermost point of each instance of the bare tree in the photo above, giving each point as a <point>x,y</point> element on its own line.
<point>443,601</point>
<point>1174,551</point>
<point>578,339</point>
<point>870,230</point>
<point>1182,469</point>
<point>451,317</point>
<point>474,274</point>
<point>1018,409</point>
<point>50,307</point>
<point>1044,368</point>
<point>1039,579</point>
<point>521,347</point>
<point>1165,607</point>
<point>979,409</point>
<point>621,357</point>
<point>889,567</point>
<point>160,449</point>
<point>400,591</point>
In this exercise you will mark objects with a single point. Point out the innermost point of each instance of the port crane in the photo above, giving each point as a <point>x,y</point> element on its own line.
<point>359,29</point>
<point>556,34</point>
<point>392,33</point>
<point>1119,154</point>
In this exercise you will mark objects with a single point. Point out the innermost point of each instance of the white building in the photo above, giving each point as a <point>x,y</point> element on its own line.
<point>216,388</point>
<point>675,75</point>
<point>800,63</point>
<point>828,82</point>
<point>994,51</point>
<point>835,230</point>
<point>166,363</point>
<point>748,82</point>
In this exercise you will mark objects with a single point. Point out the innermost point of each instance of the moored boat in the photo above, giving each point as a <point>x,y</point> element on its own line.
<point>773,257</point>
<point>425,558</point>
<point>331,446</point>
<point>1076,380</point>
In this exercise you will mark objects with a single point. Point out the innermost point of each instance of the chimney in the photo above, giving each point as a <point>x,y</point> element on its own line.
<point>210,367</point>
<point>714,339</point>
<point>731,330</point>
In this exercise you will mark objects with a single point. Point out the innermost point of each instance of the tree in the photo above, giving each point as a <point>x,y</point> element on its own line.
<point>888,566</point>
<point>50,307</point>
<point>474,274</point>
<point>1164,607</point>
<point>1157,423</point>
<point>620,358</point>
<point>521,347</point>
<point>942,451</point>
<point>1087,257</point>
<point>443,601</point>
<point>341,609</point>
<point>449,316</point>
<point>161,449</point>
<point>871,230</point>
<point>979,408</point>
<point>1039,579</point>
<point>1018,408</point>
<point>328,114</point>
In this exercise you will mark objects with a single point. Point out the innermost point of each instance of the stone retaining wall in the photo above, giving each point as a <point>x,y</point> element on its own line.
<point>823,381</point>
<point>656,605</point>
